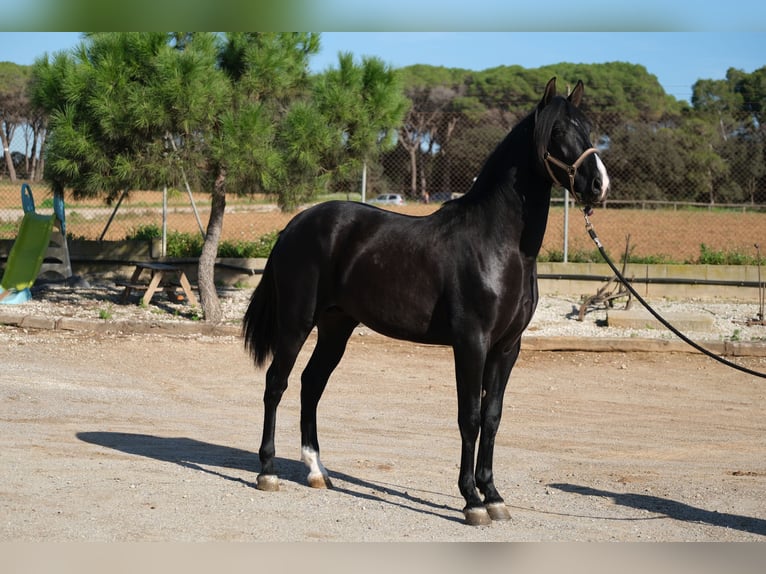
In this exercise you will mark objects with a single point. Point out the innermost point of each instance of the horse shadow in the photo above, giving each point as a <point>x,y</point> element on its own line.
<point>672,509</point>
<point>215,459</point>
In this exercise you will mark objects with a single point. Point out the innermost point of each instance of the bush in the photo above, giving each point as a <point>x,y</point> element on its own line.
<point>190,245</point>
<point>260,248</point>
<point>147,232</point>
<point>184,244</point>
<point>711,257</point>
<point>707,257</point>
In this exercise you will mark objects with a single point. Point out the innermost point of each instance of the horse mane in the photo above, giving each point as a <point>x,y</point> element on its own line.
<point>545,119</point>
<point>538,126</point>
<point>531,135</point>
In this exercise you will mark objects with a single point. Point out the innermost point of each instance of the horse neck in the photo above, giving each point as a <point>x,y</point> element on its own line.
<point>512,192</point>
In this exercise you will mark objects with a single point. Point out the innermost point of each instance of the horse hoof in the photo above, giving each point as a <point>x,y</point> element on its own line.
<point>477,516</point>
<point>267,482</point>
<point>498,511</point>
<point>319,481</point>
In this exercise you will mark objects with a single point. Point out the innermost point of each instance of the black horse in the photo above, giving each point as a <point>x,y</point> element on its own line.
<point>464,276</point>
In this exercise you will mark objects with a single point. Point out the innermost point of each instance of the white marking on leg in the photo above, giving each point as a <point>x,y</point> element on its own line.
<point>318,477</point>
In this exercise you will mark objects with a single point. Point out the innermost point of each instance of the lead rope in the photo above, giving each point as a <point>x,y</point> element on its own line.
<point>679,334</point>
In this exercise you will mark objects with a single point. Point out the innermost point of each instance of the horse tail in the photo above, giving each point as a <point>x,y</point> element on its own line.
<point>259,325</point>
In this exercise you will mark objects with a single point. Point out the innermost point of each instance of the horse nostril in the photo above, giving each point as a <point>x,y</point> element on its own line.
<point>597,183</point>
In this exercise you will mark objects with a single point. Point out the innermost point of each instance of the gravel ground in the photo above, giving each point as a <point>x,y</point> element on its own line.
<point>557,316</point>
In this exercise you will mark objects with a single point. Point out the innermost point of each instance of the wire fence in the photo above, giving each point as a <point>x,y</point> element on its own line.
<point>674,228</point>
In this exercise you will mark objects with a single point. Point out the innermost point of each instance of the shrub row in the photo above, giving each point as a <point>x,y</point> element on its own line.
<point>190,245</point>
<point>707,256</point>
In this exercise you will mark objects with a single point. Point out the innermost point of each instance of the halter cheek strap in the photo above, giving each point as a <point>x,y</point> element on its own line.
<point>570,169</point>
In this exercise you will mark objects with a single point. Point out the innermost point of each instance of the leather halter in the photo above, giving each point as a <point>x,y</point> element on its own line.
<point>570,169</point>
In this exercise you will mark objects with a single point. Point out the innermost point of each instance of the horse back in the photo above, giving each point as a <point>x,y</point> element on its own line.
<point>414,278</point>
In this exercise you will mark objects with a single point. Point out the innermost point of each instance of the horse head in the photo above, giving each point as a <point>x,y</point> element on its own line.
<point>562,138</point>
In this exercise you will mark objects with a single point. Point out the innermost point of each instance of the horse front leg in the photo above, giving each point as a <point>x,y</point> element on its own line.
<point>469,365</point>
<point>496,373</point>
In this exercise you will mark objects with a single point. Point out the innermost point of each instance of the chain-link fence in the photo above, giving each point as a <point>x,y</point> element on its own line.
<point>664,226</point>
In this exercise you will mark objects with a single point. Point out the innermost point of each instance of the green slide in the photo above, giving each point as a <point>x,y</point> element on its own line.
<point>26,257</point>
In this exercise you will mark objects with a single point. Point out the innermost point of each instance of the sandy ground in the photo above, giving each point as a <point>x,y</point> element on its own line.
<point>115,437</point>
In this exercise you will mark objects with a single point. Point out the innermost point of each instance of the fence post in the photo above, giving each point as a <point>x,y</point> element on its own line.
<point>164,249</point>
<point>566,225</point>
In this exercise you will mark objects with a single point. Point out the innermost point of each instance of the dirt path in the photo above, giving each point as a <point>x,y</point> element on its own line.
<point>122,438</point>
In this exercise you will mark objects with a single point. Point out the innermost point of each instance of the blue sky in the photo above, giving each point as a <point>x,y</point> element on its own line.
<point>678,59</point>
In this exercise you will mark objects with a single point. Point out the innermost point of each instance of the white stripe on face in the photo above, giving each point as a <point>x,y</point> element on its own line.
<point>604,177</point>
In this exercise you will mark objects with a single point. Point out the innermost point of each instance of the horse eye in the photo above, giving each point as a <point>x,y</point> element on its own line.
<point>582,124</point>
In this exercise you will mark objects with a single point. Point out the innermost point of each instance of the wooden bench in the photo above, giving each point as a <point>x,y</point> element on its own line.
<point>160,274</point>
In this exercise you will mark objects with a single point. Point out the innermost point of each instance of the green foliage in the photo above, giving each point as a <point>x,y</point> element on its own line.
<point>658,259</point>
<point>13,78</point>
<point>711,257</point>
<point>573,256</point>
<point>260,248</point>
<point>148,231</point>
<point>145,110</point>
<point>469,148</point>
<point>129,110</point>
<point>14,106</point>
<point>182,245</point>
<point>178,244</point>
<point>644,162</point>
<point>355,112</point>
<point>268,77</point>
<point>707,257</point>
<point>655,147</point>
<point>245,102</point>
<point>737,99</point>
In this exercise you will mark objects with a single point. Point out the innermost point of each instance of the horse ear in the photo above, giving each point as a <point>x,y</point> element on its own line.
<point>576,96</point>
<point>550,91</point>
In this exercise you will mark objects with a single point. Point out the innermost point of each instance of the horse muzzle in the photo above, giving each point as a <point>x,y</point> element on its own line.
<point>597,187</point>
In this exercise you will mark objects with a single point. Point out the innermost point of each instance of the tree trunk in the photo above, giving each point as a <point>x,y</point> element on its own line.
<point>211,305</point>
<point>412,151</point>
<point>447,165</point>
<point>7,153</point>
<point>413,171</point>
<point>39,160</point>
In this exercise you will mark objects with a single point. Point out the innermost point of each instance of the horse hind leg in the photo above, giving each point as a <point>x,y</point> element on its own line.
<point>276,384</point>
<point>333,331</point>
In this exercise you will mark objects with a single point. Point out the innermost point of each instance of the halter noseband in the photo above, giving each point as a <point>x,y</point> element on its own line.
<point>570,169</point>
